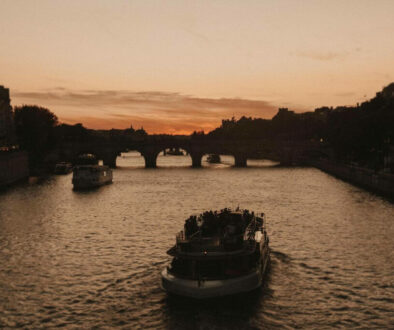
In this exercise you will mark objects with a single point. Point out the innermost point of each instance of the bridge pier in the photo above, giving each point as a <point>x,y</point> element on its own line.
<point>108,157</point>
<point>240,160</point>
<point>150,158</point>
<point>196,158</point>
<point>110,161</point>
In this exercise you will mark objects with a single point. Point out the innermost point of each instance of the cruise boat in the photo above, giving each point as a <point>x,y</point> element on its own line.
<point>218,254</point>
<point>91,176</point>
<point>174,152</point>
<point>63,168</point>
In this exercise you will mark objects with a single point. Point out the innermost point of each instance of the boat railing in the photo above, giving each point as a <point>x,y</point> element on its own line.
<point>199,243</point>
<point>253,226</point>
<point>180,237</point>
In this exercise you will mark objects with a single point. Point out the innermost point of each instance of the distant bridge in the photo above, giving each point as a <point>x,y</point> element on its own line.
<point>108,150</point>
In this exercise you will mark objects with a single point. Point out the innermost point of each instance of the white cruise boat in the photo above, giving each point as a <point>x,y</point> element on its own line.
<point>91,176</point>
<point>218,254</point>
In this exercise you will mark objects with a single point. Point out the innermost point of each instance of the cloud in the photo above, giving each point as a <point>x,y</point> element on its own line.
<point>156,111</point>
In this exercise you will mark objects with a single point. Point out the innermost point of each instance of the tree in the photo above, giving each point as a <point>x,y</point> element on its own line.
<point>34,128</point>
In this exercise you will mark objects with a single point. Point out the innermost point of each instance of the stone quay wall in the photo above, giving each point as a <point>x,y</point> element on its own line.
<point>380,182</point>
<point>14,167</point>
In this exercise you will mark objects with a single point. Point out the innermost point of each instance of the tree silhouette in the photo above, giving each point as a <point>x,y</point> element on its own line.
<point>34,127</point>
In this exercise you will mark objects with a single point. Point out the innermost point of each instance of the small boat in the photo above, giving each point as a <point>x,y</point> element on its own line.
<point>63,168</point>
<point>213,159</point>
<point>174,152</point>
<point>91,176</point>
<point>218,254</point>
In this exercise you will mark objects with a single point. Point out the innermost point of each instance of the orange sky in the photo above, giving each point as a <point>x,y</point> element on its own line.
<point>179,66</point>
<point>157,112</point>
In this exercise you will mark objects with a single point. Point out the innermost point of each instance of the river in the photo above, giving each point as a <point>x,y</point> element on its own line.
<point>93,259</point>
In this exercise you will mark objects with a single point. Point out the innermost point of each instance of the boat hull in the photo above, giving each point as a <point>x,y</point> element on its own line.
<point>211,288</point>
<point>86,184</point>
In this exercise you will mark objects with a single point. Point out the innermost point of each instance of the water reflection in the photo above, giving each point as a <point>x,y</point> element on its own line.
<point>93,258</point>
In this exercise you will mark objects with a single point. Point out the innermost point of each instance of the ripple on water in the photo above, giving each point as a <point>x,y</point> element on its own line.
<point>93,259</point>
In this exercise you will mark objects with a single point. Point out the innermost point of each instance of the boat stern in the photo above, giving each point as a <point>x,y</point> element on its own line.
<point>210,288</point>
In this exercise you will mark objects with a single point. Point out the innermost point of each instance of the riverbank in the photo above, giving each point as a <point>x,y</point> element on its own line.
<point>379,182</point>
<point>14,167</point>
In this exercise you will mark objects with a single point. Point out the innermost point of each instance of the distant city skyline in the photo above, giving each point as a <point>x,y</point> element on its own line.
<point>180,66</point>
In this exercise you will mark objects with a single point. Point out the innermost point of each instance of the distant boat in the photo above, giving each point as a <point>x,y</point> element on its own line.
<point>218,254</point>
<point>213,159</point>
<point>86,159</point>
<point>91,176</point>
<point>63,168</point>
<point>174,152</point>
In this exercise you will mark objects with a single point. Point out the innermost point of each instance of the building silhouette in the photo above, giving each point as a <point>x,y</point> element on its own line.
<point>7,136</point>
<point>14,164</point>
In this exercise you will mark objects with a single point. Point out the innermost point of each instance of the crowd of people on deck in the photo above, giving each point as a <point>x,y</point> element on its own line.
<point>219,223</point>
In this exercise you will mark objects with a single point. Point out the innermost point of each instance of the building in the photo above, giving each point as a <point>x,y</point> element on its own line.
<point>14,164</point>
<point>6,119</point>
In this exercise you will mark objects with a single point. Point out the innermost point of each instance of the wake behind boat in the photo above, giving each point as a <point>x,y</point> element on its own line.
<point>218,254</point>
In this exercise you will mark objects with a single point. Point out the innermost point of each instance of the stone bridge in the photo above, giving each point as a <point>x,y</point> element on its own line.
<point>287,153</point>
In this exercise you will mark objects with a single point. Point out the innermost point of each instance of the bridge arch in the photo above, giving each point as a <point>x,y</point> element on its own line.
<point>151,152</point>
<point>174,157</point>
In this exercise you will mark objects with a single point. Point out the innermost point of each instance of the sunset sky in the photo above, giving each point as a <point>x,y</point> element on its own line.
<point>179,66</point>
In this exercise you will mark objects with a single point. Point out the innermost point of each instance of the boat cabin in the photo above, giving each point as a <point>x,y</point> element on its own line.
<point>217,245</point>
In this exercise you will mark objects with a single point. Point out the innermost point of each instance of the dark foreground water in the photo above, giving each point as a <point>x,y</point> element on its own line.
<point>93,259</point>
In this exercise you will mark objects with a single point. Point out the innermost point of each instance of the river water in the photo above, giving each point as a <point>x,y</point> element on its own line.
<point>93,259</point>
